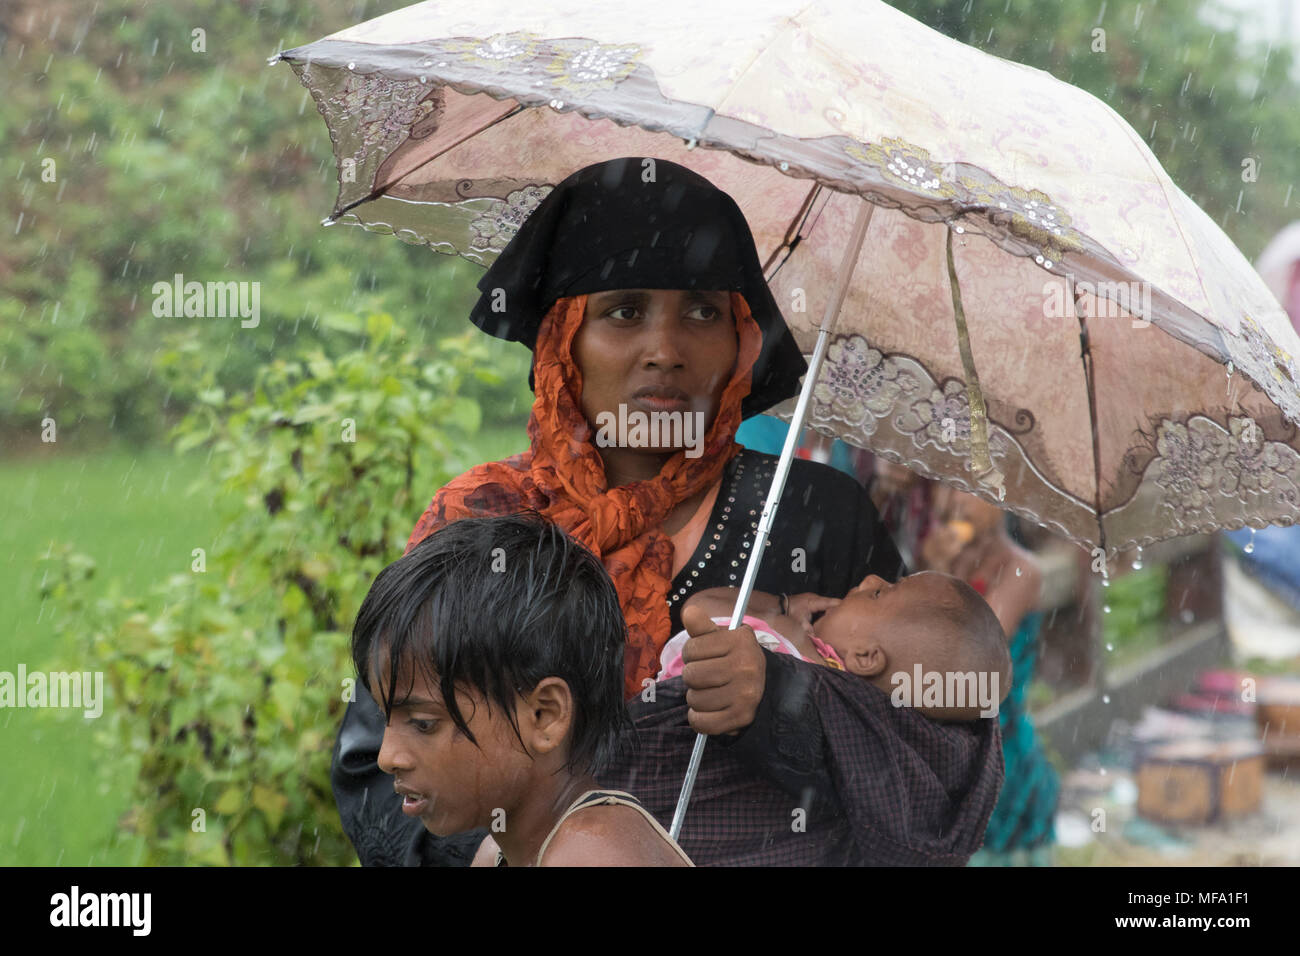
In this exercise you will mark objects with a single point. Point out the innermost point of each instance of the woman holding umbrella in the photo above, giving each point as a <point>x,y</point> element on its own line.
<point>638,287</point>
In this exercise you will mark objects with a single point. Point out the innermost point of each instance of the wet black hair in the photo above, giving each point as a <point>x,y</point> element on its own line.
<point>498,604</point>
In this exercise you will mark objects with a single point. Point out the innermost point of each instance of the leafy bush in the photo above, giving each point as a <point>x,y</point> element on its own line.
<point>226,686</point>
<point>1135,622</point>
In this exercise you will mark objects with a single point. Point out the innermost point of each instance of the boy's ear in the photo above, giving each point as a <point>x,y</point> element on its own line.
<point>546,715</point>
<point>868,660</point>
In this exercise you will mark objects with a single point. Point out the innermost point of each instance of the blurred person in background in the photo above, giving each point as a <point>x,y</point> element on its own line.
<point>938,528</point>
<point>1261,587</point>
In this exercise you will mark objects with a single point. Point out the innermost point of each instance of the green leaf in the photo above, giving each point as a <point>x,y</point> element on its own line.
<point>230,802</point>
<point>378,326</point>
<point>270,802</point>
<point>342,322</point>
<point>312,413</point>
<point>465,414</point>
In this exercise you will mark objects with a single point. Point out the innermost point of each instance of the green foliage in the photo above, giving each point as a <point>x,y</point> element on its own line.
<point>227,684</point>
<point>170,161</point>
<point>1135,623</point>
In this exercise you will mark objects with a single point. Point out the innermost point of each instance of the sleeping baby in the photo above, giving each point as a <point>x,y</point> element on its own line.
<point>929,640</point>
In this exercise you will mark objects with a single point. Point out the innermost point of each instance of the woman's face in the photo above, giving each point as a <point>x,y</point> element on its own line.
<point>654,351</point>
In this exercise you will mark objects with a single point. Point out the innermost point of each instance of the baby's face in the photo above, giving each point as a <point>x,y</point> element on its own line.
<point>877,610</point>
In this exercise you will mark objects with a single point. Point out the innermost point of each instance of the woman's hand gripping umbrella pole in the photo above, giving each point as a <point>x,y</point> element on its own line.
<point>829,319</point>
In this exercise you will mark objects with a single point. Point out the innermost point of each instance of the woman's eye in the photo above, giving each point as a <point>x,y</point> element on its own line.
<point>422,726</point>
<point>613,313</point>
<point>710,312</point>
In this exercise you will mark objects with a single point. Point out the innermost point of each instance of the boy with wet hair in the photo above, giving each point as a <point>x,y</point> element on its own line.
<point>495,650</point>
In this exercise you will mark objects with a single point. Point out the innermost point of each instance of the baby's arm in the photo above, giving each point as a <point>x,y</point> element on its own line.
<point>720,602</point>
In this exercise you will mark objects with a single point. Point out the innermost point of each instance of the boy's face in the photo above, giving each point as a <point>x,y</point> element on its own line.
<point>446,780</point>
<point>878,612</point>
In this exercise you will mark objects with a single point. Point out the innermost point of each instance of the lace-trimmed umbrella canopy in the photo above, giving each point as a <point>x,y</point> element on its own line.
<point>1131,376</point>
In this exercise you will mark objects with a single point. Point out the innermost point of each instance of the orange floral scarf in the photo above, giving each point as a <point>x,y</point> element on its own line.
<point>563,477</point>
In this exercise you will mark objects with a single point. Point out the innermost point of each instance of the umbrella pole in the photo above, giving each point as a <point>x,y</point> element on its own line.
<point>761,536</point>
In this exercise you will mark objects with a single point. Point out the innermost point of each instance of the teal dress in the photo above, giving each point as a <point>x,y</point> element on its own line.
<point>1021,828</point>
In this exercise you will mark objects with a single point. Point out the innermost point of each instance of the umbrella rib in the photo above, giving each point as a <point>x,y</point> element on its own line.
<point>1085,353</point>
<point>791,237</point>
<point>380,190</point>
<point>785,25</point>
<point>1133,136</point>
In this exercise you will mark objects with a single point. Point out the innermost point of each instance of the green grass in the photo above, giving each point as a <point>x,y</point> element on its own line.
<point>128,511</point>
<point>60,795</point>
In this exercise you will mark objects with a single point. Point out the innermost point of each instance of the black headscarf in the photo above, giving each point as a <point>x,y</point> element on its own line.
<point>605,227</point>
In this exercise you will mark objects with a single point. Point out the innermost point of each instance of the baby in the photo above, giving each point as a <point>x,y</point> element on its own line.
<point>929,640</point>
<point>495,650</point>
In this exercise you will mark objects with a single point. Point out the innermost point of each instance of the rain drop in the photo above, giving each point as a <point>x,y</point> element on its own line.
<point>1019,572</point>
<point>1110,647</point>
<point>1250,545</point>
<point>1105,699</point>
<point>1106,608</point>
<point>1137,559</point>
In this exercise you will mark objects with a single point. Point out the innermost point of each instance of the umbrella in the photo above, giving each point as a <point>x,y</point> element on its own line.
<point>1041,316</point>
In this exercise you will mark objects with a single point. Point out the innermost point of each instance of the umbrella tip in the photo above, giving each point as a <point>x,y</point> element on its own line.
<point>274,58</point>
<point>329,221</point>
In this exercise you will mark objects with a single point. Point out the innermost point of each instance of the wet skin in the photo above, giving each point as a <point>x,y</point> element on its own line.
<point>653,350</point>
